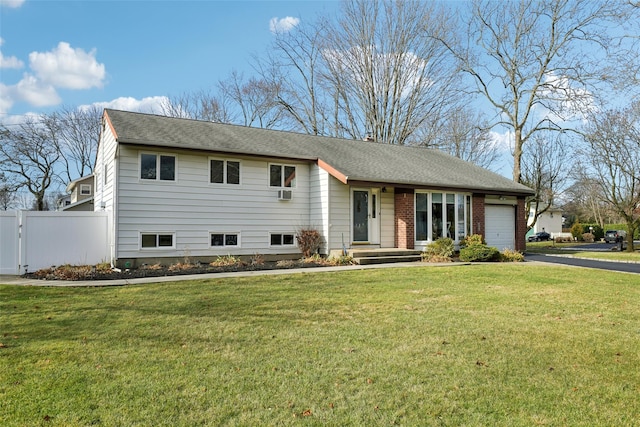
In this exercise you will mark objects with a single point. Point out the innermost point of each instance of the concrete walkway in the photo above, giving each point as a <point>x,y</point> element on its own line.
<point>20,281</point>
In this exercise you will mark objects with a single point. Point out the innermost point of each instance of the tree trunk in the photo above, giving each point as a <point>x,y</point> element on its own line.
<point>517,156</point>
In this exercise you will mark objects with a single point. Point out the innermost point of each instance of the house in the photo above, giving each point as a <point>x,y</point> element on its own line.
<point>81,195</point>
<point>186,188</point>
<point>549,221</point>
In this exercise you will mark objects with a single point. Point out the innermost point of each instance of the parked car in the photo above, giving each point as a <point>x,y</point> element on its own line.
<point>614,236</point>
<point>539,236</point>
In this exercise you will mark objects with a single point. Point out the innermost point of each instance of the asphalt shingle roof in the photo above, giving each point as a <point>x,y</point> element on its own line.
<point>357,160</point>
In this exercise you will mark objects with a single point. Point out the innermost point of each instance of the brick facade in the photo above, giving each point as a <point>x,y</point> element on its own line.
<point>404,218</point>
<point>521,225</point>
<point>478,214</point>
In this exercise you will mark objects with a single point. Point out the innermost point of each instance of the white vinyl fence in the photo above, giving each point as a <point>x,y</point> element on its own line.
<point>30,241</point>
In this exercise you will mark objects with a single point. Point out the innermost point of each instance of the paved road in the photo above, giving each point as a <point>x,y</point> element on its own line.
<point>582,262</point>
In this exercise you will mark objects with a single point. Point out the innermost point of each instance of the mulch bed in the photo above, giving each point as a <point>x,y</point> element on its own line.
<point>74,273</point>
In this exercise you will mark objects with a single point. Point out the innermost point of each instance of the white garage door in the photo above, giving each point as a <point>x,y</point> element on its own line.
<point>500,226</point>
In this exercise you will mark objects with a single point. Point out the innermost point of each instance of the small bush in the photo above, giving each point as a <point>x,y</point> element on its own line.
<point>588,237</point>
<point>577,230</point>
<point>341,260</point>
<point>286,263</point>
<point>309,241</point>
<point>226,261</point>
<point>313,259</point>
<point>180,266</point>
<point>509,255</point>
<point>256,259</point>
<point>563,239</point>
<point>479,253</point>
<point>439,251</point>
<point>473,240</point>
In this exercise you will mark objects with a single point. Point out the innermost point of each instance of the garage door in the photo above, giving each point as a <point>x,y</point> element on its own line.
<point>500,226</point>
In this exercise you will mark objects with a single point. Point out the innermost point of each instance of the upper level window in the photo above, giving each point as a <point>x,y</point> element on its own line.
<point>224,171</point>
<point>282,176</point>
<point>85,189</point>
<point>157,166</point>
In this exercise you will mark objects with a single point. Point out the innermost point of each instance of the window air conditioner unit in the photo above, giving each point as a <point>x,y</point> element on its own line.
<point>284,194</point>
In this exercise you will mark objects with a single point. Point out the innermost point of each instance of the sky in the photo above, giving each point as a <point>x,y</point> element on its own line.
<point>128,54</point>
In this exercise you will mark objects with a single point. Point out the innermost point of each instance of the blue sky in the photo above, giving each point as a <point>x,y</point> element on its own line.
<point>124,54</point>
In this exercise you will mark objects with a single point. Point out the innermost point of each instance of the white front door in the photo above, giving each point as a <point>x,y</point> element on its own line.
<point>365,214</point>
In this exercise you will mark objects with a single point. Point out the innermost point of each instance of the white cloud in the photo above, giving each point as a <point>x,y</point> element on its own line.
<point>150,104</point>
<point>68,68</point>
<point>9,62</point>
<point>6,99</point>
<point>35,92</point>
<point>12,3</point>
<point>283,25</point>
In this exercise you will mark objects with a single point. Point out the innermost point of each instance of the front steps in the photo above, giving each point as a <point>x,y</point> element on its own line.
<point>384,256</point>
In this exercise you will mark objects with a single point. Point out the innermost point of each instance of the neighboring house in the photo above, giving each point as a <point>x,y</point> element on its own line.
<point>550,221</point>
<point>185,188</point>
<point>81,195</point>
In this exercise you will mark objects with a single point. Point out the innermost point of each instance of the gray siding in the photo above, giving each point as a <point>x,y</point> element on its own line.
<point>192,208</point>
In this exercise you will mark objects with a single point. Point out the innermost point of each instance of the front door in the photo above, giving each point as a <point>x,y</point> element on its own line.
<point>365,214</point>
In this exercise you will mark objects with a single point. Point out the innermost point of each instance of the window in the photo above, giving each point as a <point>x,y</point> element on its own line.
<point>282,176</point>
<point>282,240</point>
<point>156,240</point>
<point>440,215</point>
<point>85,189</point>
<point>157,167</point>
<point>224,171</point>
<point>225,239</point>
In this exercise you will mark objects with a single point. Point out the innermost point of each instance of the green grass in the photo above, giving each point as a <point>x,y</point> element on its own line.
<point>499,344</point>
<point>566,249</point>
<point>612,256</point>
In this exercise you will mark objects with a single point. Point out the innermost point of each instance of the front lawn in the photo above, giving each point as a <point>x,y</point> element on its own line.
<point>491,344</point>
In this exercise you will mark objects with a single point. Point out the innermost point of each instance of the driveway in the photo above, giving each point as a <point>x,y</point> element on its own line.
<point>575,260</point>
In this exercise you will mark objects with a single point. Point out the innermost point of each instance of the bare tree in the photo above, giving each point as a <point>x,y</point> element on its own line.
<point>255,99</point>
<point>386,69</point>
<point>295,66</point>
<point>199,105</point>
<point>465,135</point>
<point>79,130</point>
<point>613,159</point>
<point>30,152</point>
<point>544,170</point>
<point>538,62</point>
<point>377,70</point>
<point>586,201</point>
<point>8,192</point>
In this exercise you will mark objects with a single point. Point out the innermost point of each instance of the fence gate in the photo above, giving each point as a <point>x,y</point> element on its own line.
<point>9,242</point>
<point>30,241</point>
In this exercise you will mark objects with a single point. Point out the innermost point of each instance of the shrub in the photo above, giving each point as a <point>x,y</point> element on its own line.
<point>439,251</point>
<point>473,240</point>
<point>341,260</point>
<point>588,237</point>
<point>577,230</point>
<point>226,261</point>
<point>309,241</point>
<point>479,253</point>
<point>256,259</point>
<point>509,255</point>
